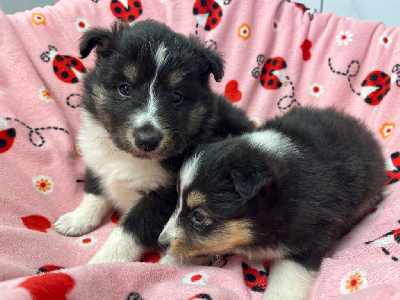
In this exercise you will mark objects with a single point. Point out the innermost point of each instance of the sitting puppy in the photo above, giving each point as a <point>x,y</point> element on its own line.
<point>146,103</point>
<point>285,193</point>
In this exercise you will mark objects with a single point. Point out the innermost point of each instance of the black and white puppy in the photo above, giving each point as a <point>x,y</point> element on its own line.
<point>284,193</point>
<point>146,103</point>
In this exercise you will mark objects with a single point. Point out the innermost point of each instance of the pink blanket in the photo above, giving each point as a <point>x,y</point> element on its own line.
<point>278,55</point>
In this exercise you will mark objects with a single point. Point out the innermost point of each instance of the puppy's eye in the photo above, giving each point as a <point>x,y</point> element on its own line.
<point>124,89</point>
<point>198,217</point>
<point>177,97</point>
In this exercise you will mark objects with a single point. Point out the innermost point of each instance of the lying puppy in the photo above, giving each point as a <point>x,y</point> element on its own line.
<point>146,103</point>
<point>285,193</point>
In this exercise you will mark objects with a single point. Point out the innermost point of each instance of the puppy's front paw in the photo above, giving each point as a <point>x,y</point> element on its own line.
<point>120,247</point>
<point>169,260</point>
<point>73,224</point>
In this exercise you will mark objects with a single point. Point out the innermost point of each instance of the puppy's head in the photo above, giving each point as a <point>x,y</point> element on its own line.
<point>219,194</point>
<point>150,86</point>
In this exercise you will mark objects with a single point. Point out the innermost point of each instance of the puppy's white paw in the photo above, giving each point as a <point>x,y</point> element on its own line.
<point>86,217</point>
<point>120,247</point>
<point>169,260</point>
<point>73,224</point>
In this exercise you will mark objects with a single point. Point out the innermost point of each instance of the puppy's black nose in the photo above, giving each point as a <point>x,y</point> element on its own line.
<point>147,142</point>
<point>163,244</point>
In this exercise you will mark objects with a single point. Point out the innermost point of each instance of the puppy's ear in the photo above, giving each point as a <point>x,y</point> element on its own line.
<point>250,179</point>
<point>212,61</point>
<point>102,39</point>
<point>215,63</point>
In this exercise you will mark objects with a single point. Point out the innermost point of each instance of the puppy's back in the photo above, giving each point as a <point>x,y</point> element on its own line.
<point>340,159</point>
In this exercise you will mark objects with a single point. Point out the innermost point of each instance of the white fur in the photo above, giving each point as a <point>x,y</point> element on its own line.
<point>120,247</point>
<point>288,280</point>
<point>171,231</point>
<point>85,217</point>
<point>272,142</point>
<point>189,171</point>
<point>267,254</point>
<point>149,115</point>
<point>122,176</point>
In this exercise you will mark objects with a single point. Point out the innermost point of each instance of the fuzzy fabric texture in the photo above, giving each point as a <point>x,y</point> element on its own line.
<point>278,54</point>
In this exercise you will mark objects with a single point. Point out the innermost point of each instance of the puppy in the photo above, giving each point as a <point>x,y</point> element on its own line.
<point>285,193</point>
<point>146,104</point>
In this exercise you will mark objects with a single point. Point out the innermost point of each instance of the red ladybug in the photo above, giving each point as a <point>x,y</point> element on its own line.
<point>208,13</point>
<point>116,216</point>
<point>386,239</point>
<point>273,73</point>
<point>201,296</point>
<point>255,280</point>
<point>394,172</point>
<point>375,87</point>
<point>7,136</point>
<point>301,6</point>
<point>67,68</point>
<point>127,10</point>
<point>48,268</point>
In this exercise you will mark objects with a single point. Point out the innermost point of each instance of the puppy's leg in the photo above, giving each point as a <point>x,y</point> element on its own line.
<point>288,280</point>
<point>85,217</point>
<point>121,246</point>
<point>88,214</point>
<point>140,227</point>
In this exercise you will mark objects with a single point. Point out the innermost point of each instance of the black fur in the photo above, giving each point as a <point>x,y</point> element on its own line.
<point>150,214</point>
<point>303,203</point>
<point>92,183</point>
<point>201,117</point>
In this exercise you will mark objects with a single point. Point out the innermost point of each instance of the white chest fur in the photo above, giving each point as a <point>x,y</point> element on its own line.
<point>122,175</point>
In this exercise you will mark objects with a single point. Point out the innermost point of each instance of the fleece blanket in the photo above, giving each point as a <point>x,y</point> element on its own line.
<point>278,55</point>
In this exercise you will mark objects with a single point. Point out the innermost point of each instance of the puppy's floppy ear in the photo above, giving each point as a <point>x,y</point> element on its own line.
<point>100,38</point>
<point>212,61</point>
<point>249,180</point>
<point>215,63</point>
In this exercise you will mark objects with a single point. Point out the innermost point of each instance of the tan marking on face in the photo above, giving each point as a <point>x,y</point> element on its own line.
<point>197,119</point>
<point>99,94</point>
<point>195,198</point>
<point>131,73</point>
<point>129,137</point>
<point>232,236</point>
<point>175,77</point>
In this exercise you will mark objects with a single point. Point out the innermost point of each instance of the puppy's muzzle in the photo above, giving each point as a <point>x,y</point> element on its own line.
<point>148,140</point>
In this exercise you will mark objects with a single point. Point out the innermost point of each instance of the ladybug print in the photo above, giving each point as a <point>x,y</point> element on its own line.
<point>127,10</point>
<point>376,84</point>
<point>301,6</point>
<point>208,13</point>
<point>256,280</point>
<point>393,171</point>
<point>68,68</point>
<point>116,216</point>
<point>48,268</point>
<point>7,137</point>
<point>201,296</point>
<point>375,87</point>
<point>273,73</point>
<point>392,236</point>
<point>134,296</point>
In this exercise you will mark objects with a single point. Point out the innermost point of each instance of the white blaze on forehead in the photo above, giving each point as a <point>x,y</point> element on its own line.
<point>149,113</point>
<point>187,175</point>
<point>189,170</point>
<point>272,142</point>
